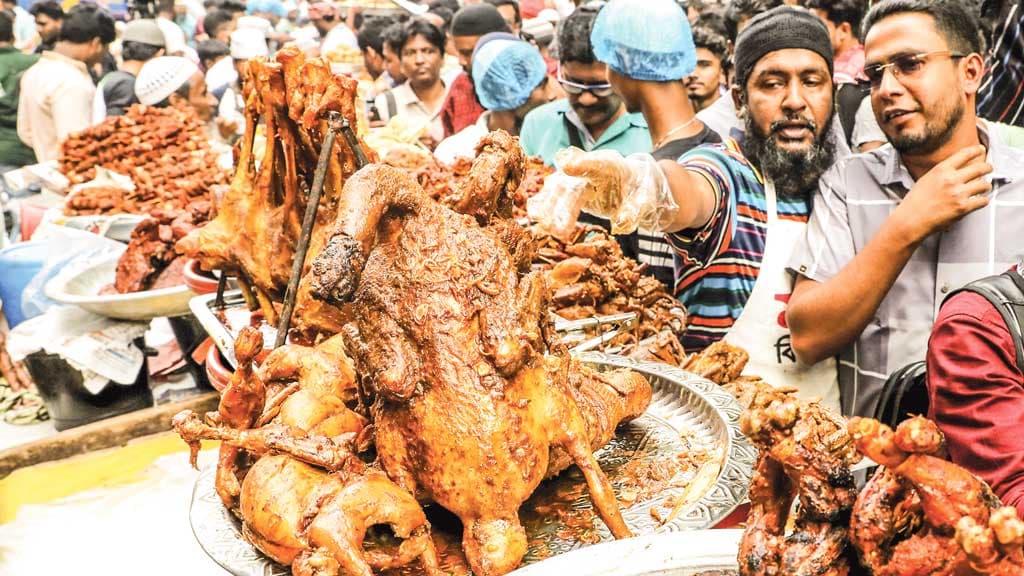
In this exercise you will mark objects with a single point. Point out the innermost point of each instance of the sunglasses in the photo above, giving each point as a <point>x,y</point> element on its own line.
<point>904,66</point>
<point>575,88</point>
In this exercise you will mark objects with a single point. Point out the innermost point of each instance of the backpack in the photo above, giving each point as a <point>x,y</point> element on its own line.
<point>848,99</point>
<point>905,390</point>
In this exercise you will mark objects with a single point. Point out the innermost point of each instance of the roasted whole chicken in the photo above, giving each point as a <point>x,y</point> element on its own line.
<point>471,403</point>
<point>805,454</point>
<point>922,514</point>
<point>260,217</point>
<point>304,496</point>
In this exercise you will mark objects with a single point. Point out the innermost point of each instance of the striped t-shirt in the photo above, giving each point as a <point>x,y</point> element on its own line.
<point>717,265</point>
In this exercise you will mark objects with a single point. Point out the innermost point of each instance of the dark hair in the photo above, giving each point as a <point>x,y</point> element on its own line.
<point>371,33</point>
<point>232,7</point>
<point>6,26</point>
<point>215,20</point>
<point>714,42</point>
<point>49,8</point>
<point>87,21</point>
<point>957,25</point>
<point>446,16</point>
<point>393,37</point>
<point>138,50</point>
<point>574,37</point>
<point>839,11</point>
<point>418,27</point>
<point>513,3</point>
<point>211,50</point>
<point>714,18</point>
<point>740,10</point>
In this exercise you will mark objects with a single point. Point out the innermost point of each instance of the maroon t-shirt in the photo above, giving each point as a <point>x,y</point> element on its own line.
<point>976,394</point>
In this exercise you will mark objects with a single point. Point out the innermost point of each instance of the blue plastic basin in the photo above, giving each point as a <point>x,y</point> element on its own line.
<point>18,264</point>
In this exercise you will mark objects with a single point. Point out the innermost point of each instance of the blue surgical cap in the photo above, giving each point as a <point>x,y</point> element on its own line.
<point>275,7</point>
<point>645,40</point>
<point>505,71</point>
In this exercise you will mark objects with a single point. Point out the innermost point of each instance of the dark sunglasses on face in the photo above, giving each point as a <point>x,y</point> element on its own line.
<point>575,88</point>
<point>902,67</point>
<point>327,17</point>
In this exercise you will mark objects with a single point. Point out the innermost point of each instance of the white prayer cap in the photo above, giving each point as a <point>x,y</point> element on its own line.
<point>248,43</point>
<point>161,77</point>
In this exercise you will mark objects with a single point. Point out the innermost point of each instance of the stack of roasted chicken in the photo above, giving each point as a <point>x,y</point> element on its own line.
<point>918,514</point>
<point>443,383</point>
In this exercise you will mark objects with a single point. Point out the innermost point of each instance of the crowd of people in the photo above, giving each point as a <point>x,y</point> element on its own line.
<point>811,178</point>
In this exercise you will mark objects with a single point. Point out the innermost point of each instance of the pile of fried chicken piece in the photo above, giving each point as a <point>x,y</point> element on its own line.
<point>443,382</point>
<point>165,152</point>
<point>918,515</point>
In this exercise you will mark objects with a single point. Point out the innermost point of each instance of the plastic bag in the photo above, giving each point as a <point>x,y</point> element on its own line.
<point>632,192</point>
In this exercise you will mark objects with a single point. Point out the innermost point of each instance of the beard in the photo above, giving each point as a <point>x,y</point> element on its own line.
<point>794,173</point>
<point>933,136</point>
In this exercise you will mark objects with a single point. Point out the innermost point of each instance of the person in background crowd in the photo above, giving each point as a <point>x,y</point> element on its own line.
<point>511,80</point>
<point>141,41</point>
<point>392,60</point>
<point>334,33</point>
<point>1000,98</point>
<point>843,18</point>
<point>211,52</point>
<point>740,12</point>
<point>246,44</point>
<point>24,24</point>
<point>592,117</point>
<point>706,81</point>
<point>509,10</point>
<point>371,44</point>
<point>57,92</point>
<point>461,109</point>
<point>976,390</point>
<point>218,25</point>
<point>13,152</point>
<point>48,16</point>
<point>732,212</point>
<point>175,41</point>
<point>175,81</point>
<point>421,49</point>
<point>442,17</point>
<point>896,229</point>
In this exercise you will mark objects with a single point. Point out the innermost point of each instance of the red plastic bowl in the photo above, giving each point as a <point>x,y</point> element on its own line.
<point>198,280</point>
<point>217,370</point>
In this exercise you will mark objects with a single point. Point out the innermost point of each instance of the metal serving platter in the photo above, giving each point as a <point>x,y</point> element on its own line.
<point>686,413</point>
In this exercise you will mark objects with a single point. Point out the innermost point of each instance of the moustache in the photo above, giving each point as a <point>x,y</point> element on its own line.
<point>780,125</point>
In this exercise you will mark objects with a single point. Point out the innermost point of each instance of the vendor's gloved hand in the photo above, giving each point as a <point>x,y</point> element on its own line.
<point>632,192</point>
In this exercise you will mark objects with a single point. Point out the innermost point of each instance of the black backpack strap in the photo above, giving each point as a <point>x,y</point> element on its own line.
<point>389,97</point>
<point>573,132</point>
<point>1006,293</point>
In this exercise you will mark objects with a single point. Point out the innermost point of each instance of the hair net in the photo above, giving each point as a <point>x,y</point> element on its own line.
<point>505,71</point>
<point>644,40</point>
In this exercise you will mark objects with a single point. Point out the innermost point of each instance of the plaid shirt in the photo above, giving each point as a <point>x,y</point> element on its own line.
<point>854,198</point>
<point>460,108</point>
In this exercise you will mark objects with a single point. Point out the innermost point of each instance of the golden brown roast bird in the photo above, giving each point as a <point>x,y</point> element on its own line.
<point>472,405</point>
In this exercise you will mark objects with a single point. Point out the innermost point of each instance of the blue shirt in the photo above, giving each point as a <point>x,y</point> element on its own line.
<point>544,133</point>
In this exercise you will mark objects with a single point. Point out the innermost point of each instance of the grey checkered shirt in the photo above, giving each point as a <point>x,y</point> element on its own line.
<point>854,198</point>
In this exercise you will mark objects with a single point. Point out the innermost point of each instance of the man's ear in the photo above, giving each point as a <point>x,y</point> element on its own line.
<point>739,101</point>
<point>846,30</point>
<point>972,67</point>
<point>174,99</point>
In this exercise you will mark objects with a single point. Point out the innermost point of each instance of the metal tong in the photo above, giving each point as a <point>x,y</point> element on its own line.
<point>574,329</point>
<point>335,123</point>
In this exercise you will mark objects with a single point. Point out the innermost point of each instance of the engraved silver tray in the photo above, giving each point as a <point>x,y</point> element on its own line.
<point>683,406</point>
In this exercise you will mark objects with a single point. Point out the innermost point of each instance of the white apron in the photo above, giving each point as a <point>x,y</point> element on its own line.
<point>761,329</point>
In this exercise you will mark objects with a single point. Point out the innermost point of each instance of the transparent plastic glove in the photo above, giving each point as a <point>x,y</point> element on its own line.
<point>632,192</point>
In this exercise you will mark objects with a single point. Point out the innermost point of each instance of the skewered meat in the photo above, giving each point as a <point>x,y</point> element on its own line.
<point>150,261</point>
<point>805,454</point>
<point>922,514</point>
<point>450,341</point>
<point>259,218</point>
<point>165,151</point>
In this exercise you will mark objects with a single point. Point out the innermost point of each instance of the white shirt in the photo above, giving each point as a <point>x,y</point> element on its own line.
<point>463,144</point>
<point>337,37</point>
<point>412,109</point>
<point>221,74</point>
<point>56,100</point>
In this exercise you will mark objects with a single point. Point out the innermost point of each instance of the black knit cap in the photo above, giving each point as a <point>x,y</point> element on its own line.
<point>780,28</point>
<point>477,20</point>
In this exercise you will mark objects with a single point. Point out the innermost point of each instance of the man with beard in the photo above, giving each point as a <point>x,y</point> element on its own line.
<point>732,212</point>
<point>896,229</point>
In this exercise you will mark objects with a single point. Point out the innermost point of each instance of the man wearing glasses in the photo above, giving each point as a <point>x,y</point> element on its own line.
<point>896,229</point>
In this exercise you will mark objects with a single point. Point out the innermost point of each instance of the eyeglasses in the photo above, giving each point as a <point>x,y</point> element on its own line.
<point>904,66</point>
<point>575,88</point>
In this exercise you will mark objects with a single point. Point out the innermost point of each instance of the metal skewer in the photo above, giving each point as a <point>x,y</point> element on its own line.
<point>222,284</point>
<point>335,123</point>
